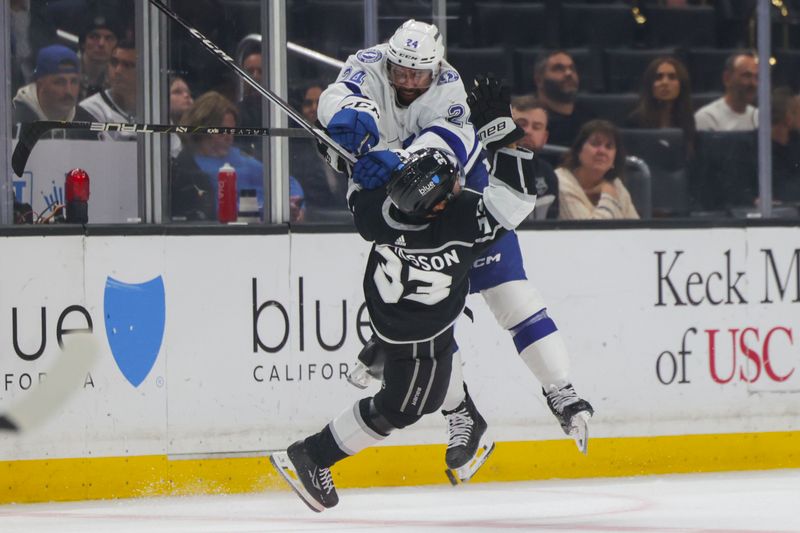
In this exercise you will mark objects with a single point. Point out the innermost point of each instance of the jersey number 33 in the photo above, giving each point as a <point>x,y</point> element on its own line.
<point>424,286</point>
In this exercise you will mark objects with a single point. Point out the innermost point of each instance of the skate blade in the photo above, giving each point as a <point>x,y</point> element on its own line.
<point>463,474</point>
<point>580,431</point>
<point>281,462</point>
<point>360,377</point>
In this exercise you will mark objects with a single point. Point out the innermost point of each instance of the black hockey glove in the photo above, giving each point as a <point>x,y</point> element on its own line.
<point>490,105</point>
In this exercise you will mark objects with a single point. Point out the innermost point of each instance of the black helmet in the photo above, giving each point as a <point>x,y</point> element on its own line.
<point>426,178</point>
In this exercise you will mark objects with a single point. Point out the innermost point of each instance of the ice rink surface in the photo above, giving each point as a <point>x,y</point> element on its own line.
<point>730,502</point>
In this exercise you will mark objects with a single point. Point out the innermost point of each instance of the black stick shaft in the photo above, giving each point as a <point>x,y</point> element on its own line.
<point>266,93</point>
<point>31,132</point>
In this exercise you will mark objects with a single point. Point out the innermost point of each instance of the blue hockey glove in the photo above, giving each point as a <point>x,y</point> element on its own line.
<point>375,168</point>
<point>356,131</point>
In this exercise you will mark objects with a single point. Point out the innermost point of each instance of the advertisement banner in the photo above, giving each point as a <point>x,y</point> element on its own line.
<point>231,344</point>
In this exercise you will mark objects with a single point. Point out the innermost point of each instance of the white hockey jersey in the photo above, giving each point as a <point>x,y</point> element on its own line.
<point>439,118</point>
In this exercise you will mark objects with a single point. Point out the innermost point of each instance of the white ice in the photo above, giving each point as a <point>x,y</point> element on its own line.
<point>731,502</point>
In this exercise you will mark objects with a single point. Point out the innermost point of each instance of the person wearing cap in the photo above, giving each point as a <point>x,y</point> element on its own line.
<point>53,94</point>
<point>97,40</point>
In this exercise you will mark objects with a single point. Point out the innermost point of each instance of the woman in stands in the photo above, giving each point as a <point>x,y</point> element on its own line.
<point>589,179</point>
<point>194,183</point>
<point>665,100</point>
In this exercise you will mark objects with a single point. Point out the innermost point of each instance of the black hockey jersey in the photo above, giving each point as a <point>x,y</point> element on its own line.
<point>416,281</point>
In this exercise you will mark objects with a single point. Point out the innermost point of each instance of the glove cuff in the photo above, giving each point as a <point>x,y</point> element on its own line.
<point>500,132</point>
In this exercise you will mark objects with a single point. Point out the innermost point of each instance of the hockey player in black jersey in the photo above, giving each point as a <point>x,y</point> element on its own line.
<point>426,231</point>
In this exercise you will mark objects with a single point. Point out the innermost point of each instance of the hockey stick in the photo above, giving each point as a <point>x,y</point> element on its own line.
<point>31,132</point>
<point>65,377</point>
<point>266,93</point>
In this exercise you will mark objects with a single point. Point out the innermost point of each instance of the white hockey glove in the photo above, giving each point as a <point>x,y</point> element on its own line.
<point>334,160</point>
<point>490,105</point>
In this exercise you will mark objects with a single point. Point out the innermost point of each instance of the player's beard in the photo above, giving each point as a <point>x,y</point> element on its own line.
<point>554,91</point>
<point>406,97</point>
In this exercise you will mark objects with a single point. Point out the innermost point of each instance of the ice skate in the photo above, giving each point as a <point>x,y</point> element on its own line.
<point>312,483</point>
<point>468,442</point>
<point>572,412</point>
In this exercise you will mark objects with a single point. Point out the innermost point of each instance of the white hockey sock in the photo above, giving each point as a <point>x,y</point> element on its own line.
<point>548,360</point>
<point>351,432</point>
<point>455,389</point>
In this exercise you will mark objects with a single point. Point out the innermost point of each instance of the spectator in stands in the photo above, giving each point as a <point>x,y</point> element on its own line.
<point>557,85</point>
<point>310,102</point>
<point>251,101</point>
<point>665,100</point>
<point>324,188</point>
<point>54,93</point>
<point>180,100</point>
<point>733,111</point>
<point>194,172</point>
<point>531,116</point>
<point>21,49</point>
<point>97,40</point>
<point>589,180</point>
<point>250,106</point>
<point>118,102</point>
<point>785,145</point>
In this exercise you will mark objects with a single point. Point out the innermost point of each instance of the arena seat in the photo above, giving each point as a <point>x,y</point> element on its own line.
<point>624,67</point>
<point>472,61</point>
<point>725,171</point>
<point>638,182</point>
<point>680,26</point>
<point>601,25</point>
<point>613,106</point>
<point>701,99</point>
<point>705,68</point>
<point>787,69</point>
<point>510,24</point>
<point>663,151</point>
<point>325,21</point>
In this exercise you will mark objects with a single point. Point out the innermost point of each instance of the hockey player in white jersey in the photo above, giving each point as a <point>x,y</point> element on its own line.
<point>404,94</point>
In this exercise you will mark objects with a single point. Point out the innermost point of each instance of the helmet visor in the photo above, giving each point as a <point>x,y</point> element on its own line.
<point>410,78</point>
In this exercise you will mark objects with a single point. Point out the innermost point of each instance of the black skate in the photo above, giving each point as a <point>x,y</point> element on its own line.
<point>312,483</point>
<point>572,412</point>
<point>468,442</point>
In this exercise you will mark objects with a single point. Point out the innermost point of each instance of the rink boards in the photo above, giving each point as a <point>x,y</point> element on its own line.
<point>218,348</point>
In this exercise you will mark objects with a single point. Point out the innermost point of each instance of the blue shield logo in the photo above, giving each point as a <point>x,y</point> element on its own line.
<point>134,316</point>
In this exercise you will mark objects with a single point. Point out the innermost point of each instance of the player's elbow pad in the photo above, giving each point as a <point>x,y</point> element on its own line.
<point>511,196</point>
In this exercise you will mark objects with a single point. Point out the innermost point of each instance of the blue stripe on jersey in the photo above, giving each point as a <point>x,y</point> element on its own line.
<point>355,89</point>
<point>408,141</point>
<point>532,329</point>
<point>452,141</point>
<point>476,146</point>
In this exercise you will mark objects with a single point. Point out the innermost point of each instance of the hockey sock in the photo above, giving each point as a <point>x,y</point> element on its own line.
<point>547,358</point>
<point>345,435</point>
<point>323,448</point>
<point>455,389</point>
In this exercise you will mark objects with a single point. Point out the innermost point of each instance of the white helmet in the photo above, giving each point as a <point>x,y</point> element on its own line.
<point>416,45</point>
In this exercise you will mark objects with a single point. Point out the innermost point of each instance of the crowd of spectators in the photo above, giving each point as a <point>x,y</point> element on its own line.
<point>583,169</point>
